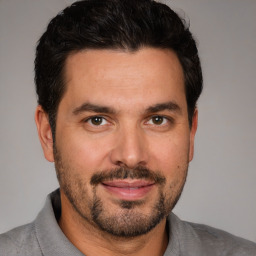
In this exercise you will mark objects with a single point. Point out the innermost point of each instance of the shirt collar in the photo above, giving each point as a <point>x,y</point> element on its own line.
<point>51,239</point>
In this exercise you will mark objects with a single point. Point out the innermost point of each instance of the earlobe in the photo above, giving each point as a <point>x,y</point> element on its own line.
<point>44,133</point>
<point>192,134</point>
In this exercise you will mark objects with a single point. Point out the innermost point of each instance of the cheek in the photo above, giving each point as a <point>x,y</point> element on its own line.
<point>173,163</point>
<point>84,152</point>
<point>171,149</point>
<point>171,157</point>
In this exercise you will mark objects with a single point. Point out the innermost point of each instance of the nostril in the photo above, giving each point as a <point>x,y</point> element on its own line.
<point>120,164</point>
<point>130,165</point>
<point>130,149</point>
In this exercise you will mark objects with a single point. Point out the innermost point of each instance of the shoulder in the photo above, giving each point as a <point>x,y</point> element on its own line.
<point>206,240</point>
<point>20,241</point>
<point>226,243</point>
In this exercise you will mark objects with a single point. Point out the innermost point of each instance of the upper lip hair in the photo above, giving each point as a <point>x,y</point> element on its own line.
<point>128,183</point>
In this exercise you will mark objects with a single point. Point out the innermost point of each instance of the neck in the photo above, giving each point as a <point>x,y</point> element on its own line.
<point>87,238</point>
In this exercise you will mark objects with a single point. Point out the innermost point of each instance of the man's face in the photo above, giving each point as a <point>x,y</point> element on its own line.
<point>123,141</point>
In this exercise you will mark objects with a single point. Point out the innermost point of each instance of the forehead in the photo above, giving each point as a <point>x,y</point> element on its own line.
<point>108,75</point>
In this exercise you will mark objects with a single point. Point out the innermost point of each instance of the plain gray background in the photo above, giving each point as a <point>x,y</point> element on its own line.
<point>221,186</point>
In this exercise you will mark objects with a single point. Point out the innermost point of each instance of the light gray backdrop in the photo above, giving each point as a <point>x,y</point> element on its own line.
<point>221,186</point>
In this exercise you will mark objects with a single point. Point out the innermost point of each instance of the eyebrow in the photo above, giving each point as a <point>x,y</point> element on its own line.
<point>93,108</point>
<point>171,106</point>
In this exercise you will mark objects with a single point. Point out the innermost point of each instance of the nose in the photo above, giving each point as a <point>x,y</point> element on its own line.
<point>130,148</point>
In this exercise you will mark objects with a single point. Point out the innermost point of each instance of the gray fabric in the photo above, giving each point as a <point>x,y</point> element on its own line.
<point>43,237</point>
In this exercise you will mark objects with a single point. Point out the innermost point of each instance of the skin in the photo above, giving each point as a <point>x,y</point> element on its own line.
<point>131,85</point>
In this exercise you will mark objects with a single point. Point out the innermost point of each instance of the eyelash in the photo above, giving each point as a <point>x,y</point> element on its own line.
<point>165,119</point>
<point>89,119</point>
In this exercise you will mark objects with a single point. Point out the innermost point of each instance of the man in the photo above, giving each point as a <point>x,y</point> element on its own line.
<point>117,84</point>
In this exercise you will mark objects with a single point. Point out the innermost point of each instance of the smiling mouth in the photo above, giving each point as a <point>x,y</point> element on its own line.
<point>129,190</point>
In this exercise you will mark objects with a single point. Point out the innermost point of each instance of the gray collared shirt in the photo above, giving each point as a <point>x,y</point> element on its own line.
<point>43,237</point>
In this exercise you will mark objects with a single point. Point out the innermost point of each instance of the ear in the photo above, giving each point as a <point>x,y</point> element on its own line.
<point>44,133</point>
<point>193,133</point>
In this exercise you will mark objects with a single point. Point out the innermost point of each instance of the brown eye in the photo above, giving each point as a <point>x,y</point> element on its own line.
<point>97,120</point>
<point>158,120</point>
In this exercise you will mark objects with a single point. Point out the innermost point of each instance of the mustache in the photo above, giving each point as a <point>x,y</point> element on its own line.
<point>123,173</point>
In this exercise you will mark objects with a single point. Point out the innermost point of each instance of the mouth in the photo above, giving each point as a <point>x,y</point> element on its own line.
<point>129,190</point>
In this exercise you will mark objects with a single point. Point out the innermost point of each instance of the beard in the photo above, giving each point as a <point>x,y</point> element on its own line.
<point>129,219</point>
<point>127,222</point>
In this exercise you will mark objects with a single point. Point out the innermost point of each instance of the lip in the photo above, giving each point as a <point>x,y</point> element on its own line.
<point>129,190</point>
